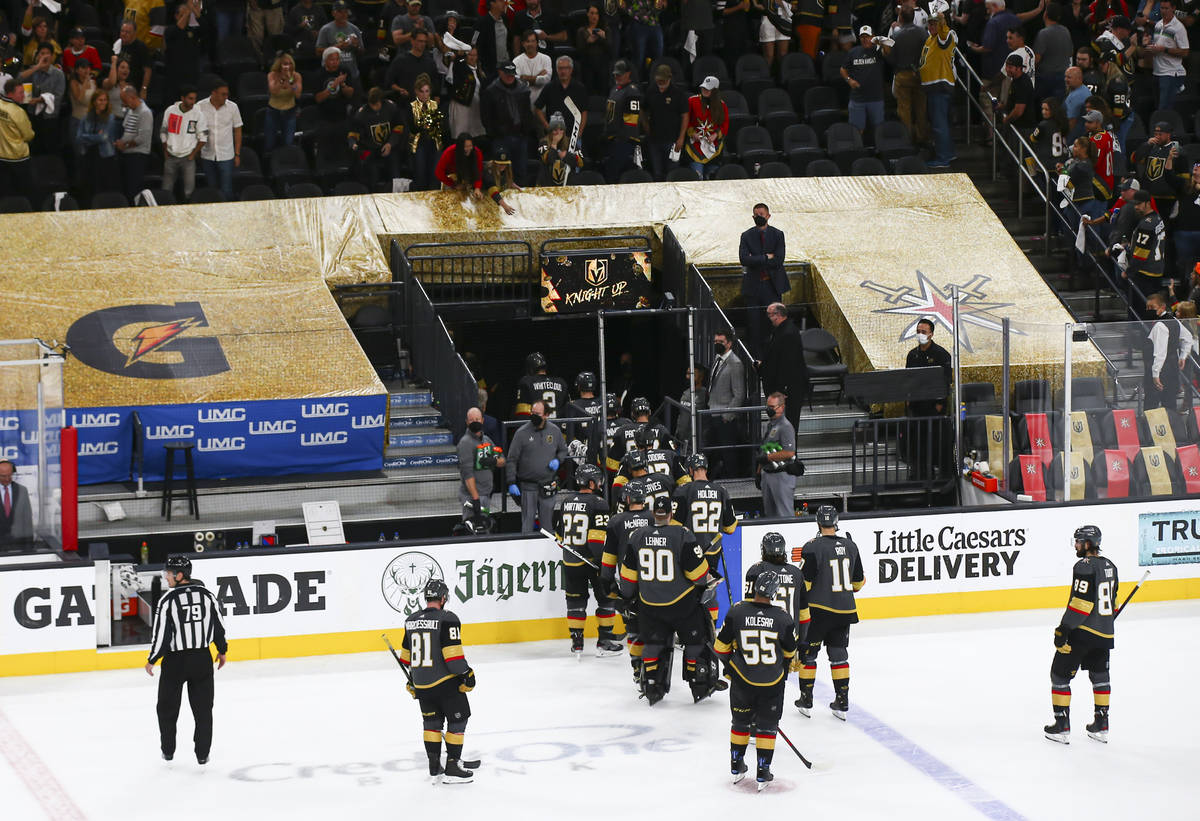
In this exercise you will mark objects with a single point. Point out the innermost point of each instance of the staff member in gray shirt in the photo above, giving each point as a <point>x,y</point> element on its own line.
<point>778,448</point>
<point>534,454</point>
<point>1052,51</point>
<point>478,456</point>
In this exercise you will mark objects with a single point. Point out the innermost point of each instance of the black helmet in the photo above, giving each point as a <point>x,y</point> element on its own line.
<point>765,584</point>
<point>636,460</point>
<point>612,406</point>
<point>827,516</point>
<point>535,362</point>
<point>662,504</point>
<point>588,472</point>
<point>1088,533</point>
<point>641,405</point>
<point>586,381</point>
<point>179,563</point>
<point>436,589</point>
<point>774,548</point>
<point>697,461</point>
<point>634,493</point>
<point>645,437</point>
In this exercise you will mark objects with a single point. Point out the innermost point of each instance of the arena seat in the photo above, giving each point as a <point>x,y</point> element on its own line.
<point>754,147</point>
<point>801,146</point>
<point>586,178</point>
<point>684,174</point>
<point>302,190</point>
<point>775,113</point>
<point>204,194</point>
<point>1031,395</point>
<point>845,145</point>
<point>797,74</point>
<point>819,98</point>
<point>822,168</point>
<point>257,191</point>
<point>892,141</point>
<point>911,164</point>
<point>710,64</point>
<point>774,169</point>
<point>752,76</point>
<point>109,199</point>
<point>289,166</point>
<point>349,188</point>
<point>731,171</point>
<point>868,167</point>
<point>15,204</point>
<point>739,113</point>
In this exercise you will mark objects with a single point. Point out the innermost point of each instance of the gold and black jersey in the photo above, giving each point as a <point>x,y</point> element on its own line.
<point>1093,603</point>
<point>758,641</point>
<point>538,387</point>
<point>833,572</point>
<point>616,538</point>
<point>621,440</point>
<point>660,463</point>
<point>662,564</point>
<point>706,510</point>
<point>792,594</point>
<point>432,647</point>
<point>1146,251</point>
<point>580,520</point>
<point>655,485</point>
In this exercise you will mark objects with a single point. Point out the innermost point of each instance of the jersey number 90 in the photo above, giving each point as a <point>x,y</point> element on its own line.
<point>656,565</point>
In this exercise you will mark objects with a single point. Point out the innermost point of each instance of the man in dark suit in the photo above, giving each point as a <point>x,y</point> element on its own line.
<point>727,389</point>
<point>763,279</point>
<point>16,517</point>
<point>783,369</point>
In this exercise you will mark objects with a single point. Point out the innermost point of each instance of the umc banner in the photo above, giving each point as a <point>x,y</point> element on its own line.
<point>272,437</point>
<point>583,281</point>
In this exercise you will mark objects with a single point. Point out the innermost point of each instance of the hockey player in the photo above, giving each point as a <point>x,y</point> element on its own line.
<point>535,386</point>
<point>440,679</point>
<point>1084,637</point>
<point>614,422</point>
<point>580,520</point>
<point>589,405</point>
<point>707,510</point>
<point>791,593</point>
<point>664,567</point>
<point>759,640</point>
<point>623,440</point>
<point>654,484</point>
<point>658,460</point>
<point>833,573</point>
<point>616,540</point>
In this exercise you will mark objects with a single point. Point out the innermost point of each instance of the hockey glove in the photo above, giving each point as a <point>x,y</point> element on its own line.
<point>514,491</point>
<point>467,681</point>
<point>797,665</point>
<point>1060,638</point>
<point>412,691</point>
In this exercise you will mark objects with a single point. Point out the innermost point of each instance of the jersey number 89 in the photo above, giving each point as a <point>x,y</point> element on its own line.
<point>656,565</point>
<point>758,646</point>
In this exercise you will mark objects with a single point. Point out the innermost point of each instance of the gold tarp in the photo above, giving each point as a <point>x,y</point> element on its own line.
<point>258,271</point>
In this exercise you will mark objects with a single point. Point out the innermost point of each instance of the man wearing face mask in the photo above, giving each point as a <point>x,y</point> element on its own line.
<point>478,456</point>
<point>928,353</point>
<point>534,454</point>
<point>764,281</point>
<point>726,389</point>
<point>777,449</point>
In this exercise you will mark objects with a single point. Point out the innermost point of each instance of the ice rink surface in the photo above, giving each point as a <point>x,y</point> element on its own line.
<point>945,723</point>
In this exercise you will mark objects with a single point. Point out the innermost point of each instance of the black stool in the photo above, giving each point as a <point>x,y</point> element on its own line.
<point>169,477</point>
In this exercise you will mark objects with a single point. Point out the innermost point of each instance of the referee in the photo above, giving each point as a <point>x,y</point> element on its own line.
<point>186,622</point>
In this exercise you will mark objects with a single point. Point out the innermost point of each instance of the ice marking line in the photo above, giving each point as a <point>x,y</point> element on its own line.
<point>939,771</point>
<point>38,778</point>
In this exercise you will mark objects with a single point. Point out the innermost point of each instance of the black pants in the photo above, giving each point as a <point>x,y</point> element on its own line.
<point>727,463</point>
<point>16,178</point>
<point>195,668</point>
<point>1168,397</point>
<point>133,173</point>
<point>757,293</point>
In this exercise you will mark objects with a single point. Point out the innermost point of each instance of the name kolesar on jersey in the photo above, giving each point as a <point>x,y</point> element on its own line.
<point>987,556</point>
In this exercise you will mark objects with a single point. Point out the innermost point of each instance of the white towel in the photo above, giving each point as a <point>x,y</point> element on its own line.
<point>689,44</point>
<point>454,44</point>
<point>145,197</point>
<point>1081,237</point>
<point>46,106</point>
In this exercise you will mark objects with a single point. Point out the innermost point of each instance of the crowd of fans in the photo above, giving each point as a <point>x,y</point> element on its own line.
<point>382,95</point>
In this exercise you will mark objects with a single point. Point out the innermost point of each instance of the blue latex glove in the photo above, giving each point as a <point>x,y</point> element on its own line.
<point>513,490</point>
<point>553,464</point>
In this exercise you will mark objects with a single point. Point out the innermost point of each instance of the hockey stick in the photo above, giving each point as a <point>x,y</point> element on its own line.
<point>1121,609</point>
<point>783,735</point>
<point>570,550</point>
<point>396,656</point>
<point>725,576</point>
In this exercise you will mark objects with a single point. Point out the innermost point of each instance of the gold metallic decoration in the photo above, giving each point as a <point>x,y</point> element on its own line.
<point>427,122</point>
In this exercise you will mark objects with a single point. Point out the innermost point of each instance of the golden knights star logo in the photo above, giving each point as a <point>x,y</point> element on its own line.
<point>937,303</point>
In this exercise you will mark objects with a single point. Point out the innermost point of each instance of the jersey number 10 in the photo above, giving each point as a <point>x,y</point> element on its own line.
<point>840,568</point>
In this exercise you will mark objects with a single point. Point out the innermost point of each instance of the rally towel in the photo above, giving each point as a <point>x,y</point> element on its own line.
<point>1156,471</point>
<point>1038,428</point>
<point>1116,468</point>
<point>1160,430</point>
<point>1189,466</point>
<point>1125,425</point>
<point>1078,476</point>
<point>994,424</point>
<point>1081,437</point>
<point>1032,477</point>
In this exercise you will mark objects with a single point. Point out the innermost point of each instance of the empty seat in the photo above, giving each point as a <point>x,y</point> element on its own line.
<point>636,175</point>
<point>289,166</point>
<point>302,190</point>
<point>822,120</point>
<point>775,113</point>
<point>1112,473</point>
<point>257,191</point>
<point>752,75</point>
<point>1087,393</point>
<point>819,98</point>
<point>204,194</point>
<point>1031,395</point>
<point>892,141</point>
<point>153,197</point>
<point>684,174</point>
<point>60,201</point>
<point>801,146</point>
<point>823,356</point>
<point>1119,431</point>
<point>739,114</point>
<point>710,64</point>
<point>1164,428</point>
<point>797,75</point>
<point>822,168</point>
<point>979,397</point>
<point>15,204</point>
<point>868,167</point>
<point>845,145</point>
<point>250,171</point>
<point>754,147</point>
<point>236,56</point>
<point>911,164</point>
<point>349,188</point>
<point>110,199</point>
<point>586,178</point>
<point>731,171</point>
<point>774,169</point>
<point>1155,473</point>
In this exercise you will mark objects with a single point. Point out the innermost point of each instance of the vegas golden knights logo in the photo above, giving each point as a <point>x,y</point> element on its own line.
<point>596,273</point>
<point>1154,460</point>
<point>997,436</point>
<point>1155,167</point>
<point>1077,427</point>
<point>380,132</point>
<point>1074,472</point>
<point>1160,430</point>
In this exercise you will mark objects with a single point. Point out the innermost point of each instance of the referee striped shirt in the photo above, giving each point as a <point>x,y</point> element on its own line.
<point>187,618</point>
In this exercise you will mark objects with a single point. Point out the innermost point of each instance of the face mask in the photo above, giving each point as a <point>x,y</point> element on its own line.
<point>922,339</point>
<point>475,427</point>
<point>719,348</point>
<point>760,221</point>
<point>536,419</point>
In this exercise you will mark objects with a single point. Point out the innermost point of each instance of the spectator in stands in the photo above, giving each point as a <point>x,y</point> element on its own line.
<point>405,25</point>
<point>117,77</point>
<point>16,133</point>
<point>495,38</point>
<point>508,117</point>
<point>134,145</point>
<point>533,67</point>
<point>304,21</point>
<point>809,16</point>
<point>426,134</point>
<point>81,87</point>
<point>936,69</point>
<point>376,139</point>
<point>665,118</point>
<point>1049,138</point>
<point>1080,171</point>
<point>1150,161</point>
<point>264,23</point>
<point>595,50</point>
<point>39,34</point>
<point>183,134</point>
<point>498,178</point>
<point>762,251</point>
<point>460,168</point>
<point>735,28</point>
<point>559,160</point>
<point>906,82</point>
<point>1145,250</point>
<point>95,145</point>
<point>993,51</point>
<point>1074,19</point>
<point>184,49</point>
<point>1116,94</point>
<point>727,389</point>
<point>1186,233</point>
<point>230,18</point>
<point>566,97</point>
<point>1105,145</point>
<point>645,30</point>
<point>346,36</point>
<point>1016,45</point>
<point>78,50</point>
<point>1169,47</point>
<point>1076,96</point>
<point>16,516</point>
<point>1019,110</point>
<point>707,126</point>
<point>407,66</point>
<point>1116,225</point>
<point>542,22</point>
<point>774,29</point>
<point>48,100</point>
<point>467,81</point>
<point>697,16</point>
<point>1085,61</point>
<point>285,85</point>
<point>863,72</point>
<point>129,47</point>
<point>1053,48</point>
<point>222,153</point>
<point>1170,345</point>
<point>622,127</point>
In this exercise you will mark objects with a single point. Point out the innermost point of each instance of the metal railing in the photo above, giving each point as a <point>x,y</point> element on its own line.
<point>566,424</point>
<point>906,453</point>
<point>472,272</point>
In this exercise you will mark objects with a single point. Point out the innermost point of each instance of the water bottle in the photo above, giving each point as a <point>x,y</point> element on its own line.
<point>396,536</point>
<point>382,537</point>
<point>145,553</point>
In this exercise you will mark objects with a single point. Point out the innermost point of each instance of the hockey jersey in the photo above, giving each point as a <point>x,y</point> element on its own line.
<point>616,539</point>
<point>580,520</point>
<point>833,573</point>
<point>792,594</point>
<point>661,565</point>
<point>536,387</point>
<point>706,509</point>
<point>758,641</point>
<point>432,647</point>
<point>1093,603</point>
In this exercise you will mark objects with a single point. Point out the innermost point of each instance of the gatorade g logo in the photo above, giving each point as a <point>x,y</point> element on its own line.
<point>148,342</point>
